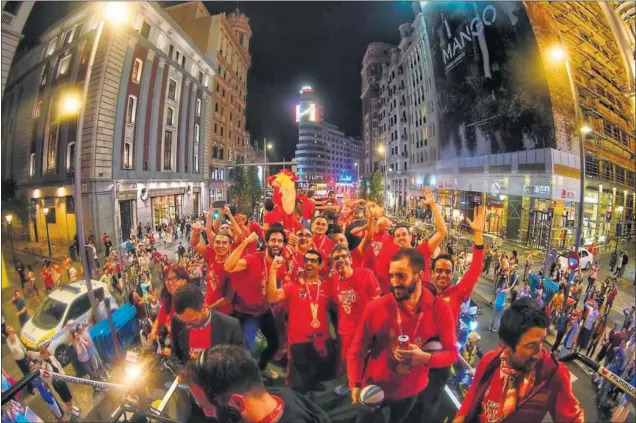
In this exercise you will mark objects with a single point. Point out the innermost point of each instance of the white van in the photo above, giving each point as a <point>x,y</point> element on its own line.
<point>48,324</point>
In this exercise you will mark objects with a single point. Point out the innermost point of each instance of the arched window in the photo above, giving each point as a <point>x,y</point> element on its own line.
<point>70,156</point>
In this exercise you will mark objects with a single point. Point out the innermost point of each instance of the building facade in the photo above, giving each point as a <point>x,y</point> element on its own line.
<point>14,16</point>
<point>324,154</point>
<point>225,41</point>
<point>480,130</point>
<point>377,55</point>
<point>146,139</point>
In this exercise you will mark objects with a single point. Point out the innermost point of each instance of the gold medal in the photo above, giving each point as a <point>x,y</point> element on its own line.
<point>402,368</point>
<point>315,323</point>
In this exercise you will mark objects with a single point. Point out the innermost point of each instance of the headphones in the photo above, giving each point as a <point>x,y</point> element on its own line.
<point>224,413</point>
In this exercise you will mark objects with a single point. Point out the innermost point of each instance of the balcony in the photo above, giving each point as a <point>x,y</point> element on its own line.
<point>7,18</point>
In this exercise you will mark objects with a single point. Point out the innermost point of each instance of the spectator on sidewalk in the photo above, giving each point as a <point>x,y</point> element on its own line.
<point>47,275</point>
<point>591,280</point>
<point>527,266</point>
<point>610,298</point>
<point>91,237</point>
<point>623,260</point>
<point>107,244</point>
<point>80,344</point>
<point>597,334</point>
<point>19,353</point>
<point>561,325</point>
<point>629,317</point>
<point>181,251</point>
<point>500,305</point>
<point>20,305</point>
<point>93,253</point>
<point>50,363</point>
<point>571,334</point>
<point>31,280</point>
<point>588,325</point>
<point>19,268</point>
<point>140,231</point>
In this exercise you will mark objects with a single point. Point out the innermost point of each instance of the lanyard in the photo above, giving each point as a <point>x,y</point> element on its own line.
<point>276,414</point>
<point>399,322</point>
<point>311,300</point>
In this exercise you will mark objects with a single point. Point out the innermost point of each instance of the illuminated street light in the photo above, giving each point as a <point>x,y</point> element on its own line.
<point>557,53</point>
<point>270,146</point>
<point>9,218</point>
<point>70,105</point>
<point>116,13</point>
<point>585,129</point>
<point>381,149</point>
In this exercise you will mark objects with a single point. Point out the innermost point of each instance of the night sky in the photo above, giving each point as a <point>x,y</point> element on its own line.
<point>293,44</point>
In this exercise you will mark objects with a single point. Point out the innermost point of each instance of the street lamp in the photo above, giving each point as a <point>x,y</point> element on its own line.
<point>357,174</point>
<point>9,219</point>
<point>116,13</point>
<point>45,210</point>
<point>559,54</point>
<point>266,146</point>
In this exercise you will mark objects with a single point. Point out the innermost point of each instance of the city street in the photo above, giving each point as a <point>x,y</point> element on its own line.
<point>102,404</point>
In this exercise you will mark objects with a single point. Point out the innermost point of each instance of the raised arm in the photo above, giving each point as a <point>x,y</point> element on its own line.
<point>238,230</point>
<point>442,231</point>
<point>234,262</point>
<point>469,280</point>
<point>195,241</point>
<point>274,294</point>
<point>209,230</point>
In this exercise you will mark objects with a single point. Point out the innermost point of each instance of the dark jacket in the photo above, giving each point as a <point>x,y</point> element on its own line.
<point>225,330</point>
<point>551,393</point>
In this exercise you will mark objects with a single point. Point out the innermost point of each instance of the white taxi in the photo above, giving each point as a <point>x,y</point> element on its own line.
<point>48,324</point>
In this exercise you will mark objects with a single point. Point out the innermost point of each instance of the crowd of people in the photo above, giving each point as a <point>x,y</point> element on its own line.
<point>338,290</point>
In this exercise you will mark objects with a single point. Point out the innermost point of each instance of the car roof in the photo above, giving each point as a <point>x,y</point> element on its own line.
<point>67,293</point>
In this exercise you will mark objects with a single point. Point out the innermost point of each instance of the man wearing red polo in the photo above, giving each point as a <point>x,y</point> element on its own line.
<point>401,370</point>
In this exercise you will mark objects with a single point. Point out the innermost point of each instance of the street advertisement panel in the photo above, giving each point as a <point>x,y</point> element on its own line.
<point>492,92</point>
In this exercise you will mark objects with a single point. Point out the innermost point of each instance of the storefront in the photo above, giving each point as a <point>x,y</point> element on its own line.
<point>166,208</point>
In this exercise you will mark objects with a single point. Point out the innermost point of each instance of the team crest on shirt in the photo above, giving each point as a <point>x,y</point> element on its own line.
<point>213,280</point>
<point>419,341</point>
<point>377,246</point>
<point>195,353</point>
<point>302,294</point>
<point>347,298</point>
<point>264,285</point>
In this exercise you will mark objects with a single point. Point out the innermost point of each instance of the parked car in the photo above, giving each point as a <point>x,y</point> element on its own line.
<point>48,324</point>
<point>586,258</point>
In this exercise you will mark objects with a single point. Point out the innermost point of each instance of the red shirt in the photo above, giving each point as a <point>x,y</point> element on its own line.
<point>48,278</point>
<point>163,317</point>
<point>308,206</point>
<point>198,341</point>
<point>379,330</point>
<point>298,299</point>
<point>257,229</point>
<point>357,261</point>
<point>380,264</point>
<point>288,221</point>
<point>456,295</point>
<point>352,295</point>
<point>250,285</point>
<point>217,281</point>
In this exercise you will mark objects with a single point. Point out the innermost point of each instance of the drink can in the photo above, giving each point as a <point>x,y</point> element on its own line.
<point>403,342</point>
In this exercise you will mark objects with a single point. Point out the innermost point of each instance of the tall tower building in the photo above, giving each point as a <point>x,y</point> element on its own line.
<point>324,154</point>
<point>225,39</point>
<point>377,55</point>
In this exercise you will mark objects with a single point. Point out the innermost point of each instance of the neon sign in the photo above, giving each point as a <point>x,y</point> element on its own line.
<point>310,112</point>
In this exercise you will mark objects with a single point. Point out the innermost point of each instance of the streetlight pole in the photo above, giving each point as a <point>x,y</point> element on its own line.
<point>46,223</point>
<point>9,218</point>
<point>620,219</point>
<point>117,13</point>
<point>265,169</point>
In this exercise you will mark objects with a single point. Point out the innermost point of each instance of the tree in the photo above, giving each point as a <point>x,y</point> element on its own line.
<point>12,203</point>
<point>245,190</point>
<point>376,188</point>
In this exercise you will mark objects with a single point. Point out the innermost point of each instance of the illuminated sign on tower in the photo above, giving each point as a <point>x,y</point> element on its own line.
<point>308,110</point>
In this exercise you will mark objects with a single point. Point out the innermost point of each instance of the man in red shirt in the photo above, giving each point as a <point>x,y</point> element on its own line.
<point>250,285</point>
<point>308,333</point>
<point>412,311</point>
<point>385,247</point>
<point>307,204</point>
<point>520,381</point>
<point>218,293</point>
<point>442,274</point>
<point>352,289</point>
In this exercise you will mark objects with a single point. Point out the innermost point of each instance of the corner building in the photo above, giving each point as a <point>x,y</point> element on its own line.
<point>496,110</point>
<point>146,136</point>
<point>224,38</point>
<point>326,157</point>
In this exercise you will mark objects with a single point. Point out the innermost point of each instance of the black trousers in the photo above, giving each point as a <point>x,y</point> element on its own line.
<point>24,368</point>
<point>557,341</point>
<point>307,367</point>
<point>399,411</point>
<point>427,408</point>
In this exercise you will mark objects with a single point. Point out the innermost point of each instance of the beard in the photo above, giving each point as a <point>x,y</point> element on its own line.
<point>402,293</point>
<point>273,252</point>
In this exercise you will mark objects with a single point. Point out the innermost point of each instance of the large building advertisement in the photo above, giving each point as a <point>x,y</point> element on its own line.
<point>493,96</point>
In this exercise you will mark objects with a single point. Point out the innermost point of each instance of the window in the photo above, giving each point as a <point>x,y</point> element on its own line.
<point>196,158</point>
<point>51,48</point>
<point>221,131</point>
<point>216,107</point>
<point>206,81</point>
<point>145,30</point>
<point>131,109</point>
<point>128,155</point>
<point>172,90</point>
<point>169,116</point>
<point>62,67</point>
<point>198,107</point>
<point>32,165</point>
<point>216,129</point>
<point>167,151</point>
<point>12,7</point>
<point>161,40</point>
<point>79,308</point>
<point>170,50</point>
<point>136,70</point>
<point>37,109</point>
<point>68,36</point>
<point>70,156</point>
<point>51,147</point>
<point>183,59</point>
<point>196,133</point>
